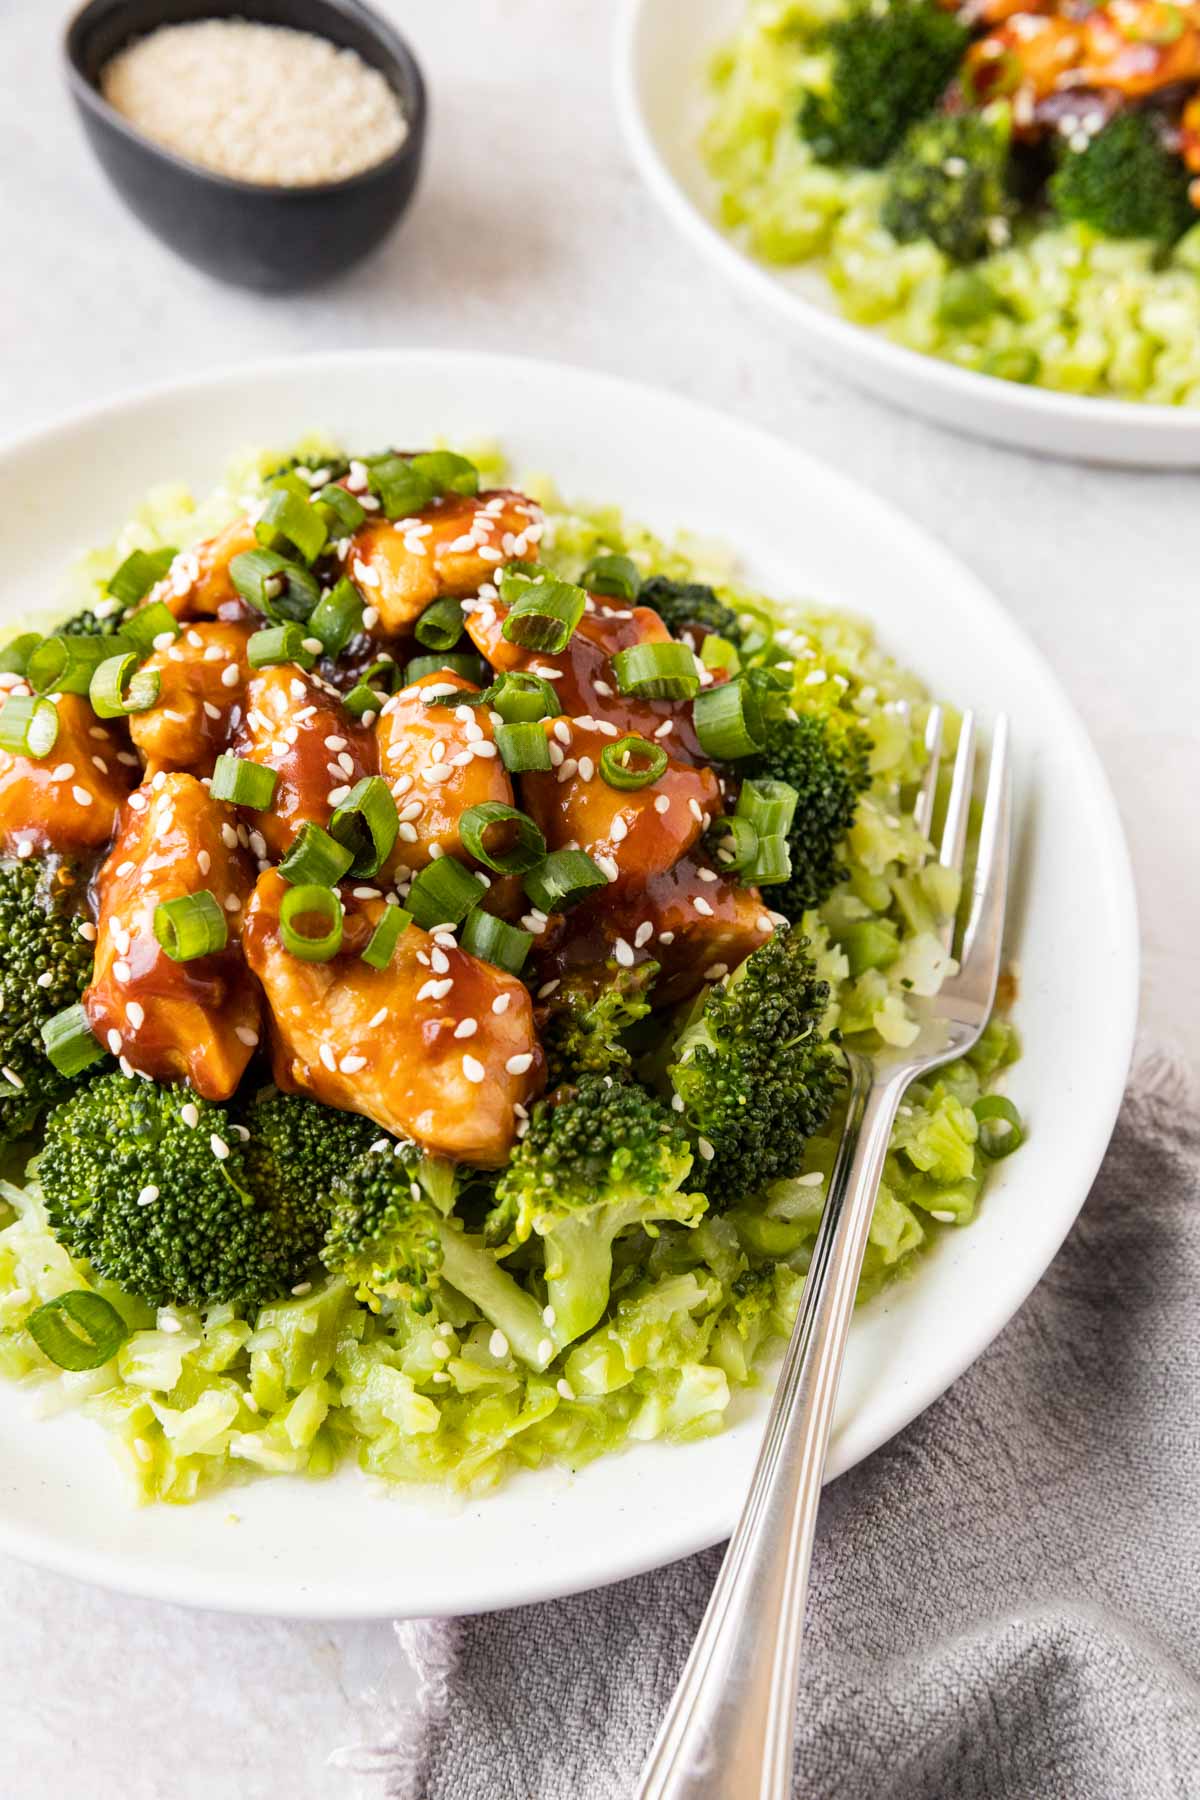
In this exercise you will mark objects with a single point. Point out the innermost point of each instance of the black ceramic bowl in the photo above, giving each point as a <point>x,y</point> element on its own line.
<point>274,239</point>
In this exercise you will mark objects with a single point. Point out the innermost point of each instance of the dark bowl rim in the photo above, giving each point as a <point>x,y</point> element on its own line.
<point>87,94</point>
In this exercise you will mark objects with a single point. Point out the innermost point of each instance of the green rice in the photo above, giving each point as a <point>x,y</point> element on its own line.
<point>1077,312</point>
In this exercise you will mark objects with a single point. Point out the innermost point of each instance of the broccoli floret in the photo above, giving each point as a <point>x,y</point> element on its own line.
<point>607,1158</point>
<point>1127,183</point>
<point>45,967</point>
<point>949,184</point>
<point>583,1023</point>
<point>889,65</point>
<point>680,604</point>
<point>89,623</point>
<point>753,1071</point>
<point>194,1213</point>
<point>826,762</point>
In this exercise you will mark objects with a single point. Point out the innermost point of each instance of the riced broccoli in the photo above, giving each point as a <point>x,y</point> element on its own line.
<point>680,604</point>
<point>890,61</point>
<point>949,184</point>
<point>584,1022</point>
<point>44,967</point>
<point>1126,183</point>
<point>826,763</point>
<point>754,1073</point>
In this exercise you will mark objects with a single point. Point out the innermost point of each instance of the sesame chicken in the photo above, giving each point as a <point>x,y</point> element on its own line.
<point>202,681</point>
<point>294,724</point>
<point>449,548</point>
<point>438,760</point>
<point>65,801</point>
<point>198,584</point>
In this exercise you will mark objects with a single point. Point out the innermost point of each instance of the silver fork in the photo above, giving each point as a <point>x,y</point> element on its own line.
<point>729,1732</point>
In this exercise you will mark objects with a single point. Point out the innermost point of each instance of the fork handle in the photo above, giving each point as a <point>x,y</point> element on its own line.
<point>730,1730</point>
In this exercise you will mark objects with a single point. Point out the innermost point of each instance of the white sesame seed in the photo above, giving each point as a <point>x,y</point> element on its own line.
<point>439,962</point>
<point>708,874</point>
<point>705,1148</point>
<point>763,923</point>
<point>350,1065</point>
<point>328,1059</point>
<point>549,1317</point>
<point>501,1003</point>
<point>519,1064</point>
<point>643,934</point>
<point>190,1114</point>
<point>301,1288</point>
<point>229,837</point>
<point>336,795</point>
<point>219,1147</point>
<point>618,830</point>
<point>498,1344</point>
<point>623,953</point>
<point>564,1388</point>
<point>473,1069</point>
<point>63,772</point>
<point>135,1012</point>
<point>81,796</point>
<point>666,937</point>
<point>607,866</point>
<point>377,1019</point>
<point>114,1040</point>
<point>701,905</point>
<point>466,1028</point>
<point>147,1197</point>
<point>694,809</point>
<point>545,1350</point>
<point>246,1034</point>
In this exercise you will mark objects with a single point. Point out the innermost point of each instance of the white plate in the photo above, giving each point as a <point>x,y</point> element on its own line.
<point>338,1549</point>
<point>662,51</point>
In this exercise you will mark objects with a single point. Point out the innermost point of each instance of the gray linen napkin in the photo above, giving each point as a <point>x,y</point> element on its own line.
<point>1005,1599</point>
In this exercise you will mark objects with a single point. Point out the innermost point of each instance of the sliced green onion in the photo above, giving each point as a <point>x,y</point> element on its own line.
<point>544,615</point>
<point>272,585</point>
<point>14,658</point>
<point>770,806</point>
<point>402,489</point>
<point>367,824</point>
<point>336,617</point>
<point>563,880</point>
<point>616,575</point>
<point>443,893</point>
<point>278,644</point>
<point>471,668</point>
<point>315,859</point>
<point>141,570</point>
<point>495,941</point>
<point>65,665</point>
<point>385,673</point>
<point>718,653</point>
<point>441,625</point>
<point>657,671</point>
<point>995,1110</point>
<point>120,687</point>
<point>365,696</point>
<point>361,700</point>
<point>345,513</point>
<point>518,695</point>
<point>386,936</point>
<point>452,697</point>
<point>734,844</point>
<point>148,623</point>
<point>245,783</point>
<point>308,902</point>
<point>77,1331</point>
<point>617,762</point>
<point>70,1041</point>
<point>290,520</point>
<point>28,726</point>
<point>728,721</point>
<point>528,849</point>
<point>523,748</point>
<point>191,926</point>
<point>772,863</point>
<point>519,574</point>
<point>449,472</point>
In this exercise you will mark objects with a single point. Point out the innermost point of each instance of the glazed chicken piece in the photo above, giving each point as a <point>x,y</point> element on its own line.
<point>438,761</point>
<point>637,831</point>
<point>66,801</point>
<point>198,584</point>
<point>199,1020</point>
<point>1138,47</point>
<point>451,547</point>
<point>202,680</point>
<point>439,1046</point>
<point>1131,48</point>
<point>294,724</point>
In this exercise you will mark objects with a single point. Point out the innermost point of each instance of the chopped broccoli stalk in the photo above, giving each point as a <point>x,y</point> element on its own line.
<point>755,1075</point>
<point>194,1214</point>
<point>608,1158</point>
<point>890,61</point>
<point>680,604</point>
<point>584,1021</point>
<point>949,184</point>
<point>1127,183</point>
<point>45,967</point>
<point>827,766</point>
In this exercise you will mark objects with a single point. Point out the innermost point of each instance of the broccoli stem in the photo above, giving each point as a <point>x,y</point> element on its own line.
<point>469,1265</point>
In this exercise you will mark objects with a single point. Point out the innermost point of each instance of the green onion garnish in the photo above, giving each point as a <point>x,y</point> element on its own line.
<point>28,726</point>
<point>617,575</point>
<point>448,472</point>
<point>523,748</point>
<point>14,658</point>
<point>77,1331</point>
<point>366,824</point>
<point>245,783</point>
<point>718,653</point>
<point>383,674</point>
<point>345,515</point>
<point>386,936</point>
<point>65,665</point>
<point>471,668</point>
<point>657,671</point>
<point>272,585</point>
<point>311,902</point>
<point>70,1041</point>
<point>441,625</point>
<point>336,617</point>
<point>402,490</point>
<point>148,623</point>
<point>315,859</point>
<point>290,520</point>
<point>563,880</point>
<point>617,764</point>
<point>770,806</point>
<point>992,1111</point>
<point>361,700</point>
<point>141,570</point>
<point>528,845</point>
<point>192,925</point>
<point>495,941</point>
<point>518,696</point>
<point>728,721</point>
<point>443,893</point>
<point>734,844</point>
<point>120,687</point>
<point>771,864</point>
<point>544,615</point>
<point>279,644</point>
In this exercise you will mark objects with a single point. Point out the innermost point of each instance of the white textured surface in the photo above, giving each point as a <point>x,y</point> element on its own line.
<point>530,233</point>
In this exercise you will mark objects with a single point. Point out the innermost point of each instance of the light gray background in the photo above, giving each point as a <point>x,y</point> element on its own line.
<point>531,233</point>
